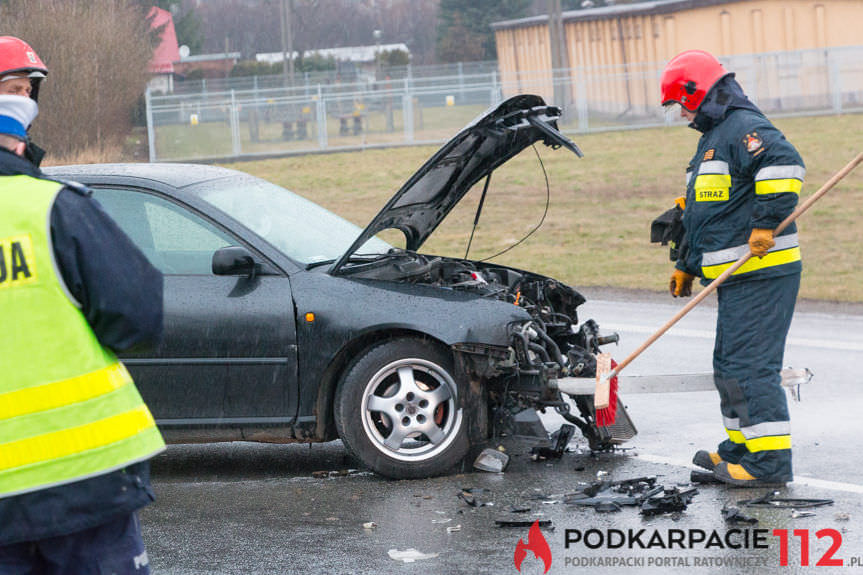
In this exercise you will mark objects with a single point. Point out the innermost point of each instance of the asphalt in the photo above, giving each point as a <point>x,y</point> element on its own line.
<point>253,508</point>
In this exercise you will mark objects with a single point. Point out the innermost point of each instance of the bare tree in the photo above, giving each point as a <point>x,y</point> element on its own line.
<point>97,54</point>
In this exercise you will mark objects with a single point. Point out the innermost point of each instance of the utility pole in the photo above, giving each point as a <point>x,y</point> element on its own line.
<point>557,44</point>
<point>285,19</point>
<point>289,26</point>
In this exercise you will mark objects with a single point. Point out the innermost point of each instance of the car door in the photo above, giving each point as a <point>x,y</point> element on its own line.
<point>228,352</point>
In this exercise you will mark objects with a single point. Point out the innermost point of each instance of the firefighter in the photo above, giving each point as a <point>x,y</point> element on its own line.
<point>743,180</point>
<point>21,73</point>
<point>75,435</point>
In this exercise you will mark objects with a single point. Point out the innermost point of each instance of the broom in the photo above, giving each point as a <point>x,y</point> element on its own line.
<point>605,396</point>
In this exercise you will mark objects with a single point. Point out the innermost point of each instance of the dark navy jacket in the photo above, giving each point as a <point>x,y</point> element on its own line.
<point>121,297</point>
<point>744,175</point>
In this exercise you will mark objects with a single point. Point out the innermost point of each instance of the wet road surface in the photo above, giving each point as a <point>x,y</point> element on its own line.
<point>249,508</point>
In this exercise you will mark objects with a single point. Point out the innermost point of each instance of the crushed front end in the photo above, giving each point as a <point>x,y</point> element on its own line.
<point>542,350</point>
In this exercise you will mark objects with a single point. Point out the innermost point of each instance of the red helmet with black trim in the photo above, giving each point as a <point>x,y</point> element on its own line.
<point>689,76</point>
<point>17,58</point>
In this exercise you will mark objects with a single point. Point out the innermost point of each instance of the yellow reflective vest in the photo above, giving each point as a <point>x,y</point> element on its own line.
<point>68,408</point>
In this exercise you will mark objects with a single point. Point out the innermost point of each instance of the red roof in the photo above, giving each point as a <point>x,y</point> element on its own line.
<point>168,51</point>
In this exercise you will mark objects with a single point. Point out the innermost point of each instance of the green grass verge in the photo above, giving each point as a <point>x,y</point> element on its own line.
<point>597,229</point>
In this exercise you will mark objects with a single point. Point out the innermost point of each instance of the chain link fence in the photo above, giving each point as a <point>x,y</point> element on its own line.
<point>245,122</point>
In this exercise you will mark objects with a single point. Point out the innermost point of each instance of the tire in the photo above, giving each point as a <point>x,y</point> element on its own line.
<point>399,409</point>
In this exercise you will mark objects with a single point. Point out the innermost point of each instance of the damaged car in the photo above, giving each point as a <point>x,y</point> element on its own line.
<point>286,323</point>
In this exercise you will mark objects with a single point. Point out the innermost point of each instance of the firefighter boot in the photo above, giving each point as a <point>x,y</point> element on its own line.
<point>706,460</point>
<point>737,476</point>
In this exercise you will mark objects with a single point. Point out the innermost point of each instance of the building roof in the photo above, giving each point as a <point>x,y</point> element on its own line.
<point>211,57</point>
<point>618,10</point>
<point>168,51</point>
<point>348,53</point>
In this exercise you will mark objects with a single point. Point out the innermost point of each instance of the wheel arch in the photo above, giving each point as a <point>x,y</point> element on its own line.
<point>325,424</point>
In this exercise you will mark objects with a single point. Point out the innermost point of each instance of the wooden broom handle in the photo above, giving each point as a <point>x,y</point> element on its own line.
<point>711,287</point>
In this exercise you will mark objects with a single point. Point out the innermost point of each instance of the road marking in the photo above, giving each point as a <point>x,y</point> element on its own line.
<point>704,334</point>
<point>798,480</point>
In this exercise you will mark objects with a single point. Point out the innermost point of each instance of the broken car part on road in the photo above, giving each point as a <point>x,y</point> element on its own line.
<point>652,499</point>
<point>770,499</point>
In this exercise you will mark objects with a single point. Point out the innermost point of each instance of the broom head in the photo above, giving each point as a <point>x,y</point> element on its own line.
<point>605,395</point>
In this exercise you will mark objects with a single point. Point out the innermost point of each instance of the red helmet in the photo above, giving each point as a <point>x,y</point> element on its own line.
<point>688,78</point>
<point>18,58</point>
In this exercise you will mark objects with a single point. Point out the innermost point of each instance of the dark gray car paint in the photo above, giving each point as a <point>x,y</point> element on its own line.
<point>352,314</point>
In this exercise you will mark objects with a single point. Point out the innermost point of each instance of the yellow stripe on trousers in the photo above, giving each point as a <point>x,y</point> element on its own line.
<point>735,436</point>
<point>769,443</point>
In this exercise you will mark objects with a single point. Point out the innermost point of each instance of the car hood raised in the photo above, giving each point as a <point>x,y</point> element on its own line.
<point>489,141</point>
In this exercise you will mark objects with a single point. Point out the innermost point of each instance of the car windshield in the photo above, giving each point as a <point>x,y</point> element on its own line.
<point>300,228</point>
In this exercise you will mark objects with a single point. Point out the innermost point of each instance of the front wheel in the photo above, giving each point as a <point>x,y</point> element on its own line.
<point>398,409</point>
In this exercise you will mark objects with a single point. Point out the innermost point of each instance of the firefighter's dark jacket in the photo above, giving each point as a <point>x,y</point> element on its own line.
<point>744,175</point>
<point>121,297</point>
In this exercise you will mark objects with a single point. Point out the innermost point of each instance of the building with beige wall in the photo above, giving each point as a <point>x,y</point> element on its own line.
<point>614,54</point>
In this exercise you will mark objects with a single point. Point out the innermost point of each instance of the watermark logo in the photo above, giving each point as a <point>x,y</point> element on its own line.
<point>535,542</point>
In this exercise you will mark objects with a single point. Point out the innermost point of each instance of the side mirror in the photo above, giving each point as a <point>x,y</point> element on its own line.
<point>234,261</point>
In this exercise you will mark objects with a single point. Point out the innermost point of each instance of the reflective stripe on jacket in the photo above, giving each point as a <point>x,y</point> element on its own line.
<point>68,408</point>
<point>744,175</point>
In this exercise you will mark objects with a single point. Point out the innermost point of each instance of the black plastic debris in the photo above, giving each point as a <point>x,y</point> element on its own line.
<point>607,507</point>
<point>521,522</point>
<point>732,515</point>
<point>561,439</point>
<point>539,496</point>
<point>518,509</point>
<point>770,499</point>
<point>669,501</point>
<point>475,496</point>
<point>604,495</point>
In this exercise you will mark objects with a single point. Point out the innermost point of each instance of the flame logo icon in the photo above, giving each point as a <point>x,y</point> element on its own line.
<point>535,542</point>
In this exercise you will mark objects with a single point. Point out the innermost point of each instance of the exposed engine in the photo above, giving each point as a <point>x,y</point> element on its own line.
<point>550,346</point>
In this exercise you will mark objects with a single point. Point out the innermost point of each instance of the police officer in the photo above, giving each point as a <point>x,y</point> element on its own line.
<point>75,435</point>
<point>744,179</point>
<point>21,74</point>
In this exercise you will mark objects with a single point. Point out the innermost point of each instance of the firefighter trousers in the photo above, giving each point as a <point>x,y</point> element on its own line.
<point>752,324</point>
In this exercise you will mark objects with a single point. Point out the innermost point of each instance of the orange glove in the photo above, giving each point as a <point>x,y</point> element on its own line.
<point>680,284</point>
<point>760,240</point>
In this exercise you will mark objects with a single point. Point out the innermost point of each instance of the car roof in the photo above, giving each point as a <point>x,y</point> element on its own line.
<point>174,175</point>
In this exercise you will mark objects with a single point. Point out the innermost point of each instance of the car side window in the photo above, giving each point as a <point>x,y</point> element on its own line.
<point>174,239</point>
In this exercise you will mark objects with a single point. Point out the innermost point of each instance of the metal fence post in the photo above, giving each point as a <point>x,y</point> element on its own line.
<point>151,132</point>
<point>234,119</point>
<point>581,104</point>
<point>321,114</point>
<point>495,96</point>
<point>408,111</point>
<point>835,82</point>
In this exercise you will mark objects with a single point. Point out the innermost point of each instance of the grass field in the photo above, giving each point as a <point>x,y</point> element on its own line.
<point>597,229</point>
<point>213,139</point>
